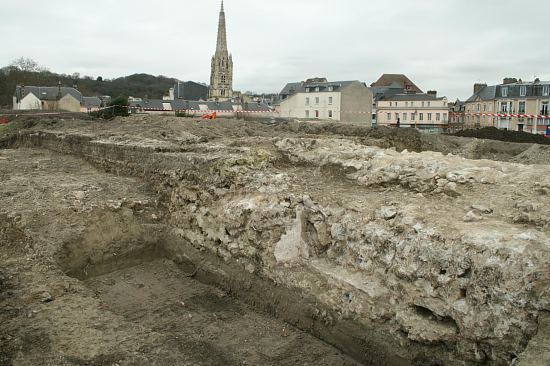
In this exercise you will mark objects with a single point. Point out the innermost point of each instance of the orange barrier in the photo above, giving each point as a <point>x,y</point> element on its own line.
<point>210,116</point>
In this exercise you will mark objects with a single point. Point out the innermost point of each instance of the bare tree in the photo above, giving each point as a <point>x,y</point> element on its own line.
<point>27,64</point>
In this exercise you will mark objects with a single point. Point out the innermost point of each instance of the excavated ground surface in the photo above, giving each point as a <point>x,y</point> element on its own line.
<point>141,309</point>
<point>393,255</point>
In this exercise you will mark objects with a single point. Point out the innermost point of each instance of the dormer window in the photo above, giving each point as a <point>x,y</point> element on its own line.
<point>330,88</point>
<point>307,90</point>
<point>546,90</point>
<point>522,91</point>
<point>317,89</point>
<point>504,92</point>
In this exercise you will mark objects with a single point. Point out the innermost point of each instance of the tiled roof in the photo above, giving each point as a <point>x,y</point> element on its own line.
<point>300,87</point>
<point>400,80</point>
<point>412,97</point>
<point>180,104</point>
<point>49,92</point>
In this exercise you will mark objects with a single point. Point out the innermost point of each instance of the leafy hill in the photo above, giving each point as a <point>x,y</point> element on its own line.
<point>137,85</point>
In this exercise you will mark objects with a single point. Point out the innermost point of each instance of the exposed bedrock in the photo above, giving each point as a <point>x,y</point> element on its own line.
<point>431,259</point>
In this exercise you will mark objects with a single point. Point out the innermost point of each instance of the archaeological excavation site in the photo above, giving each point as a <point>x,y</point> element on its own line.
<point>153,240</point>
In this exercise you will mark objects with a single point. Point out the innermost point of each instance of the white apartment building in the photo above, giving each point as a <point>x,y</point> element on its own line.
<point>349,101</point>
<point>424,111</point>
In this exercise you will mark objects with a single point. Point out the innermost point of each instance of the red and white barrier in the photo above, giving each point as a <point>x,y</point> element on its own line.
<point>503,115</point>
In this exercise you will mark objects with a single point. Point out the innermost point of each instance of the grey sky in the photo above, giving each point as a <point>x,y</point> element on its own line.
<point>445,45</point>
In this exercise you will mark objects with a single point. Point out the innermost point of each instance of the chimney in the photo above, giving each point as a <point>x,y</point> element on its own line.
<point>432,93</point>
<point>509,81</point>
<point>479,87</point>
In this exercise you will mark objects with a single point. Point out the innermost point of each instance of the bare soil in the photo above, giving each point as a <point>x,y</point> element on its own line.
<point>160,240</point>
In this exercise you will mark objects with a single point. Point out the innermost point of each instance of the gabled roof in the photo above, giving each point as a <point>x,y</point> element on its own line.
<point>487,93</point>
<point>91,102</point>
<point>180,104</point>
<point>48,92</point>
<point>412,97</point>
<point>300,87</point>
<point>396,80</point>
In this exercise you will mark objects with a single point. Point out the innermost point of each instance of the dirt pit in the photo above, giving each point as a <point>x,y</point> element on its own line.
<point>202,325</point>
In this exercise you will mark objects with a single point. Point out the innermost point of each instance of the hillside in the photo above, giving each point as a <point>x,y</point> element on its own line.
<point>138,85</point>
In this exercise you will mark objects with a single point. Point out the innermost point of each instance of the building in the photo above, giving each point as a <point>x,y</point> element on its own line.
<point>189,90</point>
<point>47,98</point>
<point>457,116</point>
<point>91,104</point>
<point>221,75</point>
<point>397,81</point>
<point>423,111</point>
<point>225,109</point>
<point>317,98</point>
<point>389,85</point>
<point>513,105</point>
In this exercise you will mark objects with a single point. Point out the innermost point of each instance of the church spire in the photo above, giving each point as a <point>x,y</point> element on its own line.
<point>221,45</point>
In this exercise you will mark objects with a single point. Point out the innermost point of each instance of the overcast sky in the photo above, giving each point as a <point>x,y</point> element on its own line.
<point>446,45</point>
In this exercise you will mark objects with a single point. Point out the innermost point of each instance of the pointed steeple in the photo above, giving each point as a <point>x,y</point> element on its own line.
<point>221,76</point>
<point>221,45</point>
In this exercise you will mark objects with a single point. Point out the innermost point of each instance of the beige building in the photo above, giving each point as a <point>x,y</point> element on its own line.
<point>348,101</point>
<point>221,75</point>
<point>47,98</point>
<point>424,111</point>
<point>513,105</point>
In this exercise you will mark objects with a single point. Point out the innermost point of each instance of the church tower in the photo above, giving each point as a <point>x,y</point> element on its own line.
<point>221,76</point>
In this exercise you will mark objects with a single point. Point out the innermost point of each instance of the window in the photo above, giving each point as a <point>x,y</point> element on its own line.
<point>307,101</point>
<point>429,104</point>
<point>422,104</point>
<point>521,108</point>
<point>413,116</point>
<point>307,90</point>
<point>307,114</point>
<point>522,91</point>
<point>484,107</point>
<point>504,92</point>
<point>544,109</point>
<point>397,116</point>
<point>316,114</point>
<point>444,117</point>
<point>317,89</point>
<point>438,116</point>
<point>388,117</point>
<point>504,107</point>
<point>330,100</point>
<point>391,104</point>
<point>406,104</point>
<point>479,107</point>
<point>316,100</point>
<point>330,88</point>
<point>545,90</point>
<point>404,116</point>
<point>329,114</point>
<point>412,104</point>
<point>429,116</point>
<point>421,116</point>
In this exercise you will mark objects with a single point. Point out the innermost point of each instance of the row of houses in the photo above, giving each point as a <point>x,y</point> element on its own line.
<point>55,99</point>
<point>394,100</point>
<point>513,105</point>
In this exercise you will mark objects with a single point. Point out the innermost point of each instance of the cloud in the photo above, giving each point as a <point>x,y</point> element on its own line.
<point>441,45</point>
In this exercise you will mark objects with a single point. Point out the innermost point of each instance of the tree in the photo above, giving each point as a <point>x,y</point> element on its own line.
<point>99,79</point>
<point>120,106</point>
<point>27,64</point>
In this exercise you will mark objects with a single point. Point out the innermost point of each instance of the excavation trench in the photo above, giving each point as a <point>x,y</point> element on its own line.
<point>353,245</point>
<point>216,311</point>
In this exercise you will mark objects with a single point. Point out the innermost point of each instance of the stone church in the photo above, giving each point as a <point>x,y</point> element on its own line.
<point>221,76</point>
